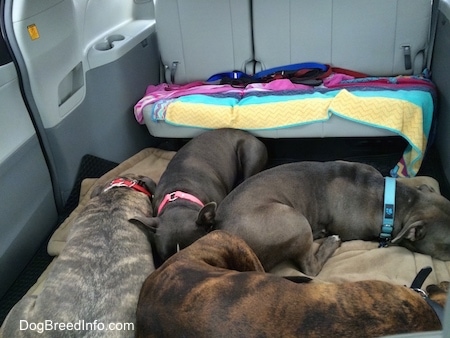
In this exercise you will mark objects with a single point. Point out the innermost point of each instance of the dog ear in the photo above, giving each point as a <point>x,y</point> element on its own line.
<point>149,183</point>
<point>426,188</point>
<point>150,223</point>
<point>413,232</point>
<point>97,190</point>
<point>206,215</point>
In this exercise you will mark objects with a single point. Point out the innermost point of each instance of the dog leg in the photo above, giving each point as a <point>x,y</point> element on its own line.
<point>252,156</point>
<point>312,263</point>
<point>438,293</point>
<point>320,234</point>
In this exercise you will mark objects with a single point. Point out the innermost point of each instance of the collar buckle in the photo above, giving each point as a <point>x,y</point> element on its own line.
<point>421,292</point>
<point>128,183</point>
<point>173,196</point>
<point>121,182</point>
<point>416,286</point>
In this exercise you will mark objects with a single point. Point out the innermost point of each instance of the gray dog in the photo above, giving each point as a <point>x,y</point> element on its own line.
<point>280,211</point>
<point>95,282</point>
<point>197,178</point>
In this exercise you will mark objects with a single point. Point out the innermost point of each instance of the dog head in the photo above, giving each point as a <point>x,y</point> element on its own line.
<point>427,229</point>
<point>178,227</point>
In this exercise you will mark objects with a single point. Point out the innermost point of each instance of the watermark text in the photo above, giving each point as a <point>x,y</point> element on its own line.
<point>80,325</point>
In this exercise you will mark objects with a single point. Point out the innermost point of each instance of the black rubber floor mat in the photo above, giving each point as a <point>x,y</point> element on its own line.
<point>90,167</point>
<point>381,153</point>
<point>432,166</point>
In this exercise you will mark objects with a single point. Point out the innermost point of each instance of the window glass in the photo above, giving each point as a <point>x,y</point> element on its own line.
<point>4,53</point>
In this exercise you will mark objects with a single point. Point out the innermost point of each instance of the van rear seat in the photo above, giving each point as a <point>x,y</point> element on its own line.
<point>379,38</point>
<point>198,38</point>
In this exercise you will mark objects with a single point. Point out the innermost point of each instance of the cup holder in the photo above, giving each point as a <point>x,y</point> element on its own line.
<point>109,42</point>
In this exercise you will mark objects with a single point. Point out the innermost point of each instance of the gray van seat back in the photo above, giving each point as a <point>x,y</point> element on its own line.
<point>376,37</point>
<point>198,38</point>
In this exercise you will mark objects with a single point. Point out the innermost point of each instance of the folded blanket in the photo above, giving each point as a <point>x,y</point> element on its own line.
<point>406,113</point>
<point>402,105</point>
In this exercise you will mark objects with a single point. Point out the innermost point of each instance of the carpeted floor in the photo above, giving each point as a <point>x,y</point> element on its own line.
<point>382,153</point>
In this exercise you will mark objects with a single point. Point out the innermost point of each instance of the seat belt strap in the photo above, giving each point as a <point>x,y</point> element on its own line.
<point>173,70</point>
<point>433,28</point>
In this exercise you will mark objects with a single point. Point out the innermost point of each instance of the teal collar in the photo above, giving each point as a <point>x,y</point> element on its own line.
<point>388,211</point>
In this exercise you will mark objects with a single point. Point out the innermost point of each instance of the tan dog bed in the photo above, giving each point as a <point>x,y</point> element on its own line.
<point>354,260</point>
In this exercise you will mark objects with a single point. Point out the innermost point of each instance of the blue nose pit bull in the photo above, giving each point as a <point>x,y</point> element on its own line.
<point>197,178</point>
<point>217,288</point>
<point>280,211</point>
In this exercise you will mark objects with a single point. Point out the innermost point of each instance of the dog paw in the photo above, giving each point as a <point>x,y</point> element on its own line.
<point>445,285</point>
<point>335,238</point>
<point>332,242</point>
<point>325,251</point>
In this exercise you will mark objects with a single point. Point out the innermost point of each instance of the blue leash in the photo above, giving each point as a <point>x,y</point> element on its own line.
<point>291,68</point>
<point>236,74</point>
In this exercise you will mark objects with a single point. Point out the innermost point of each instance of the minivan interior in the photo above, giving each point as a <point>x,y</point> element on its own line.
<point>92,88</point>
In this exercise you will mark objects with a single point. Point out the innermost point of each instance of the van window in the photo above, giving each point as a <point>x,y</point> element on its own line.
<point>4,53</point>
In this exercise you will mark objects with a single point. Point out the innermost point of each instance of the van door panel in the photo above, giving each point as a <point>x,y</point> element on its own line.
<point>51,47</point>
<point>440,73</point>
<point>90,64</point>
<point>27,208</point>
<point>80,109</point>
<point>103,124</point>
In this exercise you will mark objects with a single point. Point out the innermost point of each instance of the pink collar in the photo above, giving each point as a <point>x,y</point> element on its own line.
<point>132,184</point>
<point>176,195</point>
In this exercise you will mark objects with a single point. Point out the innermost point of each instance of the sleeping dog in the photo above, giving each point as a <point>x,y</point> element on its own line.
<point>217,288</point>
<point>97,277</point>
<point>280,211</point>
<point>197,178</point>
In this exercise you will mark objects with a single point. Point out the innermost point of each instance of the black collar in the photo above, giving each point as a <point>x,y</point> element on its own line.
<point>416,286</point>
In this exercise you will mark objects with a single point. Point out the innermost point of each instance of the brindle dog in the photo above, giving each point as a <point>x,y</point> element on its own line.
<point>96,279</point>
<point>217,288</point>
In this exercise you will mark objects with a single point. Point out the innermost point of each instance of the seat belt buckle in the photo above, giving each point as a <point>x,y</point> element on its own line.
<point>407,57</point>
